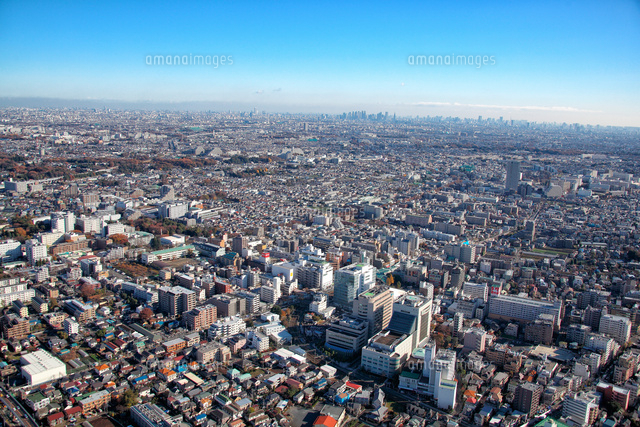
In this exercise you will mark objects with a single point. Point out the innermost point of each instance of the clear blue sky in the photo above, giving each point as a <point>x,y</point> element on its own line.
<point>565,61</point>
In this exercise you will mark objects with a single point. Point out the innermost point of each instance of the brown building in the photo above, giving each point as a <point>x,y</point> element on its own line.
<point>14,327</point>
<point>200,317</point>
<point>527,398</point>
<point>69,247</point>
<point>96,400</point>
<point>541,330</point>
<point>374,306</point>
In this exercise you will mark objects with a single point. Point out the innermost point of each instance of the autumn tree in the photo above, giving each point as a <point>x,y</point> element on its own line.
<point>146,314</point>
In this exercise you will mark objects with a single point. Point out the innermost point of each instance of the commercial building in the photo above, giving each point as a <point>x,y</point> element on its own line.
<point>386,352</point>
<point>375,306</point>
<point>40,367</point>
<point>347,336</point>
<point>315,275</point>
<point>513,176</point>
<point>420,308</point>
<point>351,281</point>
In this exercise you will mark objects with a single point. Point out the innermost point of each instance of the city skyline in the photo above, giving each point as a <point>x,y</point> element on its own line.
<point>554,63</point>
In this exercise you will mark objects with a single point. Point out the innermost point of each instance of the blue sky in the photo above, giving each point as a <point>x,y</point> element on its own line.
<point>564,61</point>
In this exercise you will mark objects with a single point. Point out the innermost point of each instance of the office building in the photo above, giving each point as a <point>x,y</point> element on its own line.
<point>347,336</point>
<point>420,308</point>
<point>386,352</point>
<point>352,280</point>
<point>476,291</point>
<point>176,300</point>
<point>238,243</point>
<point>10,250</point>
<point>513,176</point>
<point>375,306</point>
<point>315,275</point>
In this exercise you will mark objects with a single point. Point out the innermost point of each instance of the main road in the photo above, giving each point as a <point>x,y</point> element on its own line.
<point>16,409</point>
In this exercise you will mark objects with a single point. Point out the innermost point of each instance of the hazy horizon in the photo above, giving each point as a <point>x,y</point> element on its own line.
<point>537,61</point>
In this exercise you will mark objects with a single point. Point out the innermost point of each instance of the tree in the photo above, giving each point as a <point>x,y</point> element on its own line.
<point>146,314</point>
<point>276,309</point>
<point>63,335</point>
<point>129,398</point>
<point>87,291</point>
<point>120,239</point>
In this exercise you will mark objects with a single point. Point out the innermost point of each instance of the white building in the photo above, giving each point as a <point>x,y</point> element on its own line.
<point>581,409</point>
<point>319,304</point>
<point>386,352</point>
<point>10,250</point>
<point>227,327</point>
<point>476,290</point>
<point>36,251</point>
<point>40,367</point>
<point>618,327</point>
<point>71,326</point>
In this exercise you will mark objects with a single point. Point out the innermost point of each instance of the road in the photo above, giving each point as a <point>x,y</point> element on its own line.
<point>17,410</point>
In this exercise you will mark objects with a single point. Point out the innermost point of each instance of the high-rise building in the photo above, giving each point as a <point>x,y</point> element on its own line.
<point>176,300</point>
<point>581,409</point>
<point>351,281</point>
<point>229,305</point>
<point>200,317</point>
<point>419,308</point>
<point>476,291</point>
<point>474,339</point>
<point>617,327</point>
<point>173,210</point>
<point>375,306</point>
<point>317,275</point>
<point>513,175</point>
<point>36,251</point>
<point>527,397</point>
<point>458,323</point>
<point>238,243</point>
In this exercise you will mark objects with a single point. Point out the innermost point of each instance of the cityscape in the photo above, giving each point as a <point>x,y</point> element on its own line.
<point>289,214</point>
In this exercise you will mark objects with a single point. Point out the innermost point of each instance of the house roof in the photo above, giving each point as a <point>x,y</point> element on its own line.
<point>325,420</point>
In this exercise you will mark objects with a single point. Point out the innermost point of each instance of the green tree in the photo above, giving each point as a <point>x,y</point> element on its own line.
<point>63,335</point>
<point>129,398</point>
<point>276,309</point>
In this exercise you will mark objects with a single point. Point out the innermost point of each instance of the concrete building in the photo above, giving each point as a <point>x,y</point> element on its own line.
<point>35,251</point>
<point>352,280</point>
<point>475,339</point>
<point>200,317</point>
<point>375,306</point>
<point>420,308</point>
<point>40,367</point>
<point>227,327</point>
<point>386,352</point>
<point>229,305</point>
<point>347,336</point>
<point>581,409</point>
<point>173,210</point>
<point>176,300</point>
<point>540,330</point>
<point>527,397</point>
<point>315,275</point>
<point>14,326</point>
<point>522,309</point>
<point>617,327</point>
<point>81,311</point>
<point>10,250</point>
<point>151,415</point>
<point>476,291</point>
<point>71,326</point>
<point>513,176</point>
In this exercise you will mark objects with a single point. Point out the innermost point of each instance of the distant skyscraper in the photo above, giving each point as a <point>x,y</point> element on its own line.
<point>513,175</point>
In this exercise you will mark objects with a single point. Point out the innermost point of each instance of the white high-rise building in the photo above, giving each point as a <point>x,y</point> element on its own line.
<point>476,290</point>
<point>617,327</point>
<point>581,408</point>
<point>36,251</point>
<point>10,250</point>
